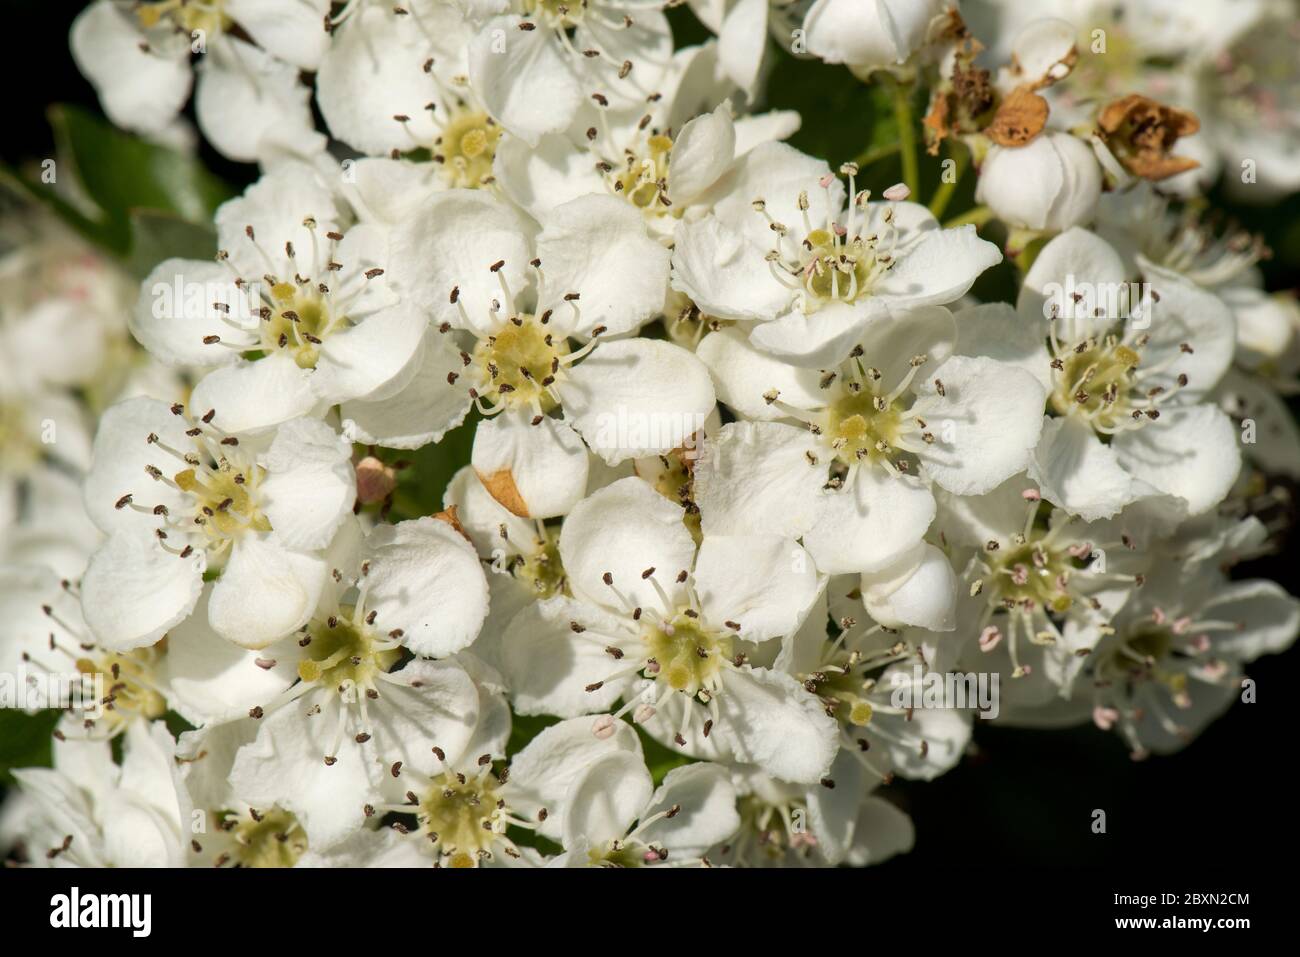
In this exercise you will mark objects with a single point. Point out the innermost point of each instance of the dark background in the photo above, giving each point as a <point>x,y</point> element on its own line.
<point>1026,798</point>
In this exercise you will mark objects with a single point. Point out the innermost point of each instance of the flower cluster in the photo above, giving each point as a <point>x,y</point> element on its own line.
<point>764,498</point>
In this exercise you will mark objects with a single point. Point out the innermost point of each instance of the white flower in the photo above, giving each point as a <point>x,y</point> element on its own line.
<point>852,478</point>
<point>1173,660</point>
<point>180,497</point>
<point>791,825</point>
<point>193,672</point>
<point>1131,368</point>
<point>671,632</point>
<point>861,674</point>
<point>535,65</point>
<point>1049,185</point>
<point>515,303</point>
<point>615,817</point>
<point>871,34</point>
<point>89,812</point>
<point>1036,583</point>
<point>358,714</point>
<point>295,312</point>
<point>464,808</point>
<point>780,246</point>
<point>137,57</point>
<point>670,173</point>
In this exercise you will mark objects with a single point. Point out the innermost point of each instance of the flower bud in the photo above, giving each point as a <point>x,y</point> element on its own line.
<point>1051,184</point>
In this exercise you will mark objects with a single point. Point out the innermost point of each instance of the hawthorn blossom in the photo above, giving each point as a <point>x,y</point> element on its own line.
<point>137,56</point>
<point>852,478</point>
<point>782,252</point>
<point>791,825</point>
<point>661,625</point>
<point>181,498</point>
<point>359,708</point>
<point>534,65</point>
<point>1126,370</point>
<point>295,313</point>
<point>504,307</point>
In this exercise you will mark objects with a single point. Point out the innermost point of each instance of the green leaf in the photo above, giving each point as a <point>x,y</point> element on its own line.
<point>25,740</point>
<point>125,178</point>
<point>157,235</point>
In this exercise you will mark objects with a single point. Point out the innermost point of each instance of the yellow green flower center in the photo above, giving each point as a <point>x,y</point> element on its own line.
<point>689,656</point>
<point>463,816</point>
<point>520,362</point>
<point>300,321</point>
<point>267,839</point>
<point>345,653</point>
<point>130,689</point>
<point>466,148</point>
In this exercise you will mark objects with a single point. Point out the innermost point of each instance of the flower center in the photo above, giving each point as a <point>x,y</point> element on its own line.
<point>265,839</point>
<point>624,853</point>
<point>1032,573</point>
<point>643,180</point>
<point>188,15</point>
<point>520,362</point>
<point>346,653</point>
<point>557,14</point>
<point>863,425</point>
<point>299,321</point>
<point>541,569</point>
<point>686,655</point>
<point>130,689</point>
<point>464,816</point>
<point>466,148</point>
<point>224,502</point>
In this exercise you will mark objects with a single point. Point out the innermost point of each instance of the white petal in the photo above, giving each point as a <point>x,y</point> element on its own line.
<point>311,484</point>
<point>1191,453</point>
<point>265,591</point>
<point>256,396</point>
<point>209,679</point>
<point>135,591</point>
<point>625,529</point>
<point>175,313</point>
<point>756,478</point>
<point>821,340</point>
<point>637,397</point>
<point>1077,472</point>
<point>702,151</point>
<point>996,330</point>
<point>986,423</point>
<point>597,246</point>
<point>919,589</point>
<point>425,410</point>
<point>544,771</point>
<point>871,524</point>
<point>606,799</point>
<point>450,243</point>
<point>742,374</point>
<point>940,268</point>
<point>139,90</point>
<point>724,272</point>
<point>768,719</point>
<point>426,580</point>
<point>524,78</point>
<point>707,815</point>
<point>372,72</point>
<point>765,584</point>
<point>536,471</point>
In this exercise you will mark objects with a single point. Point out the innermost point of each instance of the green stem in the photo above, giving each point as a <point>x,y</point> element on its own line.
<point>875,154</point>
<point>907,137</point>
<point>979,215</point>
<point>960,157</point>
